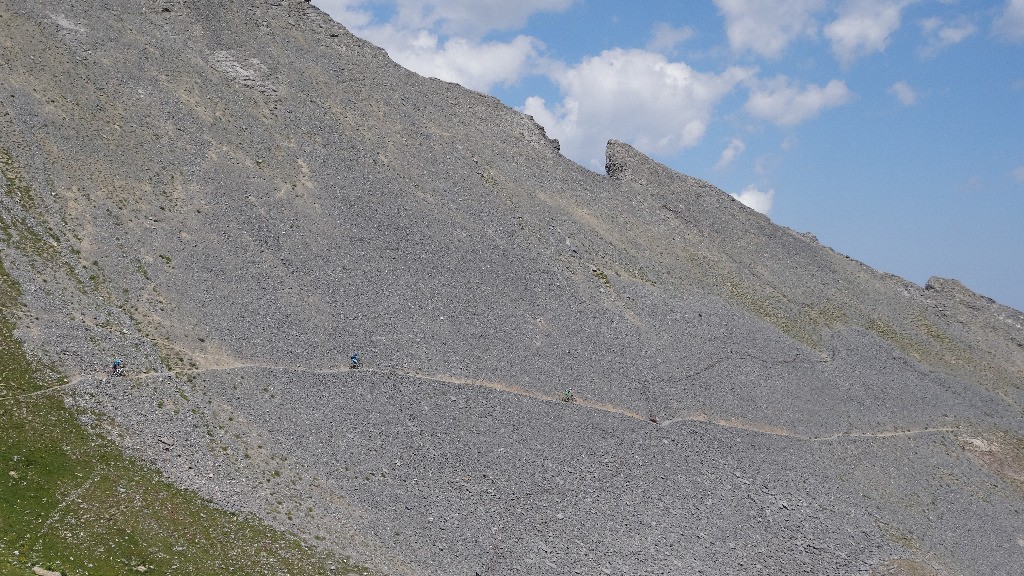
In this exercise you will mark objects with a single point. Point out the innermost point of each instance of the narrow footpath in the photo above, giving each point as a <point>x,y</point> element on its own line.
<point>732,423</point>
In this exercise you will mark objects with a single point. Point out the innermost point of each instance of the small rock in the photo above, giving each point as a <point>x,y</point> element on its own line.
<point>13,474</point>
<point>976,444</point>
<point>44,572</point>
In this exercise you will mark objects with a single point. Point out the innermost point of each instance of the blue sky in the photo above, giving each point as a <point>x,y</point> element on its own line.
<point>891,129</point>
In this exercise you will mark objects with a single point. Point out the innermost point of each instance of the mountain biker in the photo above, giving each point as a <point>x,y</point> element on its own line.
<point>569,396</point>
<point>115,369</point>
<point>355,362</point>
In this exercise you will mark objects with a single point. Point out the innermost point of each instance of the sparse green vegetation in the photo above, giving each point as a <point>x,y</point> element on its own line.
<point>17,230</point>
<point>488,177</point>
<point>141,269</point>
<point>10,292</point>
<point>827,314</point>
<point>886,331</point>
<point>19,233</point>
<point>602,277</point>
<point>897,536</point>
<point>70,501</point>
<point>793,326</point>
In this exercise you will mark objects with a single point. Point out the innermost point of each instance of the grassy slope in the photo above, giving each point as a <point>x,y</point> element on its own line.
<point>71,501</point>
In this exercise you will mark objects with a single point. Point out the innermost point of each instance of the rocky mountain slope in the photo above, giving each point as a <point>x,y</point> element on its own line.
<point>235,196</point>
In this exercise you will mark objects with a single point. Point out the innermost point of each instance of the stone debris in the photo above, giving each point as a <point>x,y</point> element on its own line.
<point>235,196</point>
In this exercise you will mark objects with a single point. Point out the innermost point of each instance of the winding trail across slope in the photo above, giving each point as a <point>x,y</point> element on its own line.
<point>732,423</point>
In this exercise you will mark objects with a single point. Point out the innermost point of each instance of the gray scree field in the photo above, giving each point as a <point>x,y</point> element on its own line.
<point>236,196</point>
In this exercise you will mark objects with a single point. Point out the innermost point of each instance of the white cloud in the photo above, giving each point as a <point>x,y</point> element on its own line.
<point>864,26</point>
<point>766,27</point>
<point>1018,174</point>
<point>939,34</point>
<point>442,39</point>
<point>635,96</point>
<point>778,101</point>
<point>756,200</point>
<point>734,149</point>
<point>474,17</point>
<point>904,93</point>
<point>468,18</point>
<point>348,12</point>
<point>1010,24</point>
<point>665,37</point>
<point>474,64</point>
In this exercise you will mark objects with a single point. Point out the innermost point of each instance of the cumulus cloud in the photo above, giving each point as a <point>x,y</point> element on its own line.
<point>755,199</point>
<point>779,101</point>
<point>904,93</point>
<point>766,27</point>
<point>864,26</point>
<point>1010,24</point>
<point>734,149</point>
<point>665,37</point>
<point>442,39</point>
<point>348,12</point>
<point>467,18</point>
<point>632,95</point>
<point>939,34</point>
<point>474,64</point>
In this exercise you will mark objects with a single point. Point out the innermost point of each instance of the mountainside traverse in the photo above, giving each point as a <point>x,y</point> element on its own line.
<point>234,197</point>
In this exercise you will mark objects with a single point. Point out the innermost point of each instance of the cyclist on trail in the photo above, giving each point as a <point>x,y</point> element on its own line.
<point>115,369</point>
<point>355,362</point>
<point>569,396</point>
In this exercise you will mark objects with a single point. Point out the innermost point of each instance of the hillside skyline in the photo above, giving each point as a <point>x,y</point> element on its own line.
<point>887,128</point>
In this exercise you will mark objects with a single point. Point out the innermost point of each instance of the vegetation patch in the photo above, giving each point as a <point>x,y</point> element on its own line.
<point>16,229</point>
<point>141,269</point>
<point>787,324</point>
<point>898,537</point>
<point>72,502</point>
<point>602,277</point>
<point>16,188</point>
<point>827,314</point>
<point>949,351</point>
<point>488,177</point>
<point>894,337</point>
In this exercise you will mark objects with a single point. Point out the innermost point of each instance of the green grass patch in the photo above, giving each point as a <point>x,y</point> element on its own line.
<point>17,230</point>
<point>141,269</point>
<point>71,501</point>
<point>799,327</point>
<point>10,291</point>
<point>602,277</point>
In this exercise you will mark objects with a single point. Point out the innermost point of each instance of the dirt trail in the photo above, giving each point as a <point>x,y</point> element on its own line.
<point>732,423</point>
